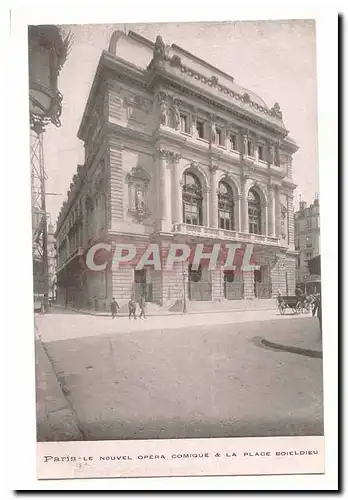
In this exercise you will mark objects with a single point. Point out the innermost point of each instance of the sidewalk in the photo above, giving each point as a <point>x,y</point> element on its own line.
<point>192,308</point>
<point>55,419</point>
<point>306,343</point>
<point>62,326</point>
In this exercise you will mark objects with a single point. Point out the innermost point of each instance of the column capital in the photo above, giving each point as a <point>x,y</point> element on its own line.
<point>176,157</point>
<point>163,154</point>
<point>213,168</point>
<point>272,186</point>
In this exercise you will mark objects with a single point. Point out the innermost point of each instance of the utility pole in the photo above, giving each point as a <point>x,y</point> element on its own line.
<point>47,52</point>
<point>44,230</point>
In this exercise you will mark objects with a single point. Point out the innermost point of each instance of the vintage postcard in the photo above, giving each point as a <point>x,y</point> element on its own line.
<point>176,249</point>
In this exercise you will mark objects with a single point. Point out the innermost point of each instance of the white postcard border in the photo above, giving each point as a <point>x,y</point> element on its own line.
<point>19,333</point>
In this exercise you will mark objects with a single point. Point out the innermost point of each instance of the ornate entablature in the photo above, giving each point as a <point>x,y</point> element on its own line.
<point>160,55</point>
<point>138,181</point>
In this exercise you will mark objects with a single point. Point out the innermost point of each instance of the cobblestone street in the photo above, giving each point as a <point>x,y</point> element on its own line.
<point>144,381</point>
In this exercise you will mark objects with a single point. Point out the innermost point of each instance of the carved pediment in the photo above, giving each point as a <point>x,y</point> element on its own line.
<point>138,174</point>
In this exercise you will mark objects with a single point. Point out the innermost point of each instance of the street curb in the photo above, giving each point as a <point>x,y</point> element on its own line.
<point>292,349</point>
<point>107,315</point>
<point>60,424</point>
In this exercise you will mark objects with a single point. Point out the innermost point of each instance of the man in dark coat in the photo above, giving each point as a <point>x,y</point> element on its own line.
<point>142,305</point>
<point>132,308</point>
<point>114,308</point>
<point>317,308</point>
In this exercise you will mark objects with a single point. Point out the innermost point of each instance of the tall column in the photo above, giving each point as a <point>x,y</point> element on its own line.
<point>213,220</point>
<point>265,218</point>
<point>245,144</point>
<point>238,213</point>
<point>244,205</point>
<point>256,149</point>
<point>270,154</point>
<point>206,209</point>
<point>277,210</point>
<point>165,201</point>
<point>176,189</point>
<point>271,211</point>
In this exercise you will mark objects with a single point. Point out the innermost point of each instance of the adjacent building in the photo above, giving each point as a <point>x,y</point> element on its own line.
<point>176,151</point>
<point>307,244</point>
<point>51,262</point>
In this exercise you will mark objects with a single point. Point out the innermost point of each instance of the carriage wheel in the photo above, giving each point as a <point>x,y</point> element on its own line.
<point>282,308</point>
<point>298,307</point>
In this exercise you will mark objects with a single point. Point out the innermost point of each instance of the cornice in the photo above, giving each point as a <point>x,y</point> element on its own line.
<point>287,183</point>
<point>130,134</point>
<point>215,101</point>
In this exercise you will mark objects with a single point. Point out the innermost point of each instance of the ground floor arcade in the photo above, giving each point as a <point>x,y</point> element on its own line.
<point>80,287</point>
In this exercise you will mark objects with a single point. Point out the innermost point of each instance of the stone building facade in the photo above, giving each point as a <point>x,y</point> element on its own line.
<point>176,152</point>
<point>307,244</point>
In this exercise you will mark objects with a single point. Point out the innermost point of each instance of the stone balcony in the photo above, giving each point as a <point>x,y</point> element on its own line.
<point>224,234</point>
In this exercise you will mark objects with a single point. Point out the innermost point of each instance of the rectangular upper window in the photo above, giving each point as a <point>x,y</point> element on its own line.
<point>184,123</point>
<point>219,136</point>
<point>250,148</point>
<point>261,153</point>
<point>200,128</point>
<point>276,157</point>
<point>234,142</point>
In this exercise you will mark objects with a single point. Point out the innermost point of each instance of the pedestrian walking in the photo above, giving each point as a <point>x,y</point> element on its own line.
<point>114,308</point>
<point>142,305</point>
<point>317,309</point>
<point>132,307</point>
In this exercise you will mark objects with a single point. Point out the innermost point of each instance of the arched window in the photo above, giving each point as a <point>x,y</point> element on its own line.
<point>192,200</point>
<point>226,206</point>
<point>254,211</point>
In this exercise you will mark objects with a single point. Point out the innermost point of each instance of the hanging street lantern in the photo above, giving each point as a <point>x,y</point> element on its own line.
<point>47,55</point>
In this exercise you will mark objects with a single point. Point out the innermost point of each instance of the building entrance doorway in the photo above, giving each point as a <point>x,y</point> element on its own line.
<point>140,287</point>
<point>233,286</point>
<point>262,286</point>
<point>199,284</point>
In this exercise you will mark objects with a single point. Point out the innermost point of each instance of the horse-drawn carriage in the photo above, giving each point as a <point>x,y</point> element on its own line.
<point>297,304</point>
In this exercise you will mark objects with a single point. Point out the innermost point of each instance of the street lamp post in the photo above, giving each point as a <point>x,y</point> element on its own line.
<point>184,305</point>
<point>47,52</point>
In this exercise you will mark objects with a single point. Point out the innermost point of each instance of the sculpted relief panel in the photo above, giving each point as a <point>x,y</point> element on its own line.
<point>138,182</point>
<point>137,109</point>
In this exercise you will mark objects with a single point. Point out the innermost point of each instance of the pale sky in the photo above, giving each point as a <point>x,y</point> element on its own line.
<point>274,59</point>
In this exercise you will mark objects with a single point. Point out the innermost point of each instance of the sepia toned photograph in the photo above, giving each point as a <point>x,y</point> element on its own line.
<point>176,239</point>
